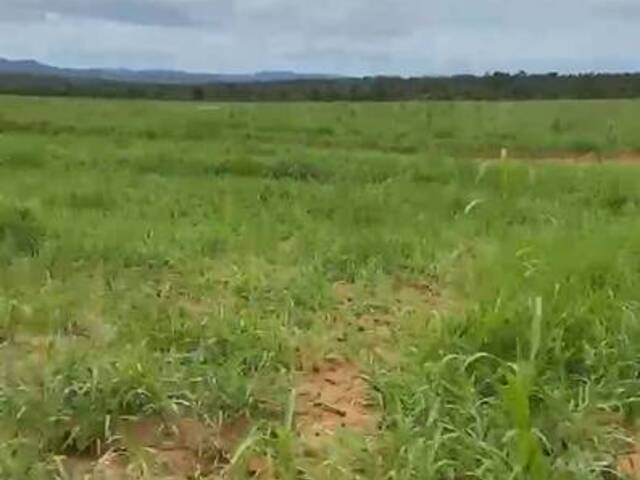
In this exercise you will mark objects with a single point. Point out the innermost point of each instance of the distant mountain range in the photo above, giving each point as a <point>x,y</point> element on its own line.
<point>170,77</point>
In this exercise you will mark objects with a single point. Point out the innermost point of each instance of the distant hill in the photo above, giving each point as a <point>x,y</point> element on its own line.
<point>28,77</point>
<point>170,77</point>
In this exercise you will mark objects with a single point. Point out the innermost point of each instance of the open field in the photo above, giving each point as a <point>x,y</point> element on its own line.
<point>318,290</point>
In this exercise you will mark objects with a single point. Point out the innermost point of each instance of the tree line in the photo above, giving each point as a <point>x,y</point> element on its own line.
<point>495,86</point>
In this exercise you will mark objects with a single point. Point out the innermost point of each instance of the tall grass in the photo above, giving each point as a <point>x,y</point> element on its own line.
<point>158,259</point>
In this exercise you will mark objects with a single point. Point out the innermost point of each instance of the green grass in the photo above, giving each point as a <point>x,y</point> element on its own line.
<point>158,258</point>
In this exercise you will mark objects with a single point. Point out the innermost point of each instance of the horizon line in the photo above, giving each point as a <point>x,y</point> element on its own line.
<point>328,75</point>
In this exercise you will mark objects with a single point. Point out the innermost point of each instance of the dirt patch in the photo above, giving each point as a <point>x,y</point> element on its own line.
<point>418,295</point>
<point>332,397</point>
<point>630,157</point>
<point>158,448</point>
<point>111,466</point>
<point>403,293</point>
<point>381,325</point>
<point>344,292</point>
<point>591,157</point>
<point>588,157</point>
<point>260,468</point>
<point>628,465</point>
<point>626,448</point>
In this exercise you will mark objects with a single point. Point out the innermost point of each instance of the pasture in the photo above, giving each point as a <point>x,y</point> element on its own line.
<point>319,291</point>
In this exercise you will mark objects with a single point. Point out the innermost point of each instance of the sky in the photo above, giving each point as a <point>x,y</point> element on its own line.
<point>351,37</point>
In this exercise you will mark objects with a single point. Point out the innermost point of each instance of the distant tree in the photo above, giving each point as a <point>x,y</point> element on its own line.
<point>492,86</point>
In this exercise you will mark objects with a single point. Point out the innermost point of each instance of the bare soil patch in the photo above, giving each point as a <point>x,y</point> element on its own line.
<point>260,468</point>
<point>166,449</point>
<point>404,294</point>
<point>344,292</point>
<point>626,157</point>
<point>591,157</point>
<point>333,396</point>
<point>626,458</point>
<point>628,465</point>
<point>419,295</point>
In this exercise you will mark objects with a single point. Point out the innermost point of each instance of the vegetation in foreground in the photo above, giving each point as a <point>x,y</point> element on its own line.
<point>317,291</point>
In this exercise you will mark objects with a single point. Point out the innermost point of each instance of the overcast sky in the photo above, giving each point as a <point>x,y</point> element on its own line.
<point>334,36</point>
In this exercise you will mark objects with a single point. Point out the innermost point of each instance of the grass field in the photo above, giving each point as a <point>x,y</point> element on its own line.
<point>321,291</point>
